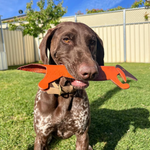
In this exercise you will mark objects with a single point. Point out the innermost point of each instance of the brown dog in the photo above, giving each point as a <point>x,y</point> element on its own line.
<point>78,47</point>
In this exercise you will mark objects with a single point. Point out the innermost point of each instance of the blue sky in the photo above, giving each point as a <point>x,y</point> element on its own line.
<point>10,8</point>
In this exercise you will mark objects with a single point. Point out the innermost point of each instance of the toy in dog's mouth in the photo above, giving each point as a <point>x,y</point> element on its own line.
<point>54,72</point>
<point>78,84</point>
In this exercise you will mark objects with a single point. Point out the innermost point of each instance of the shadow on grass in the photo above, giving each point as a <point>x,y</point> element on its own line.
<point>31,147</point>
<point>110,126</point>
<point>52,144</point>
<point>14,67</point>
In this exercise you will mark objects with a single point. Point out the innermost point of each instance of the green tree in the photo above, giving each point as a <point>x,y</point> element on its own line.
<point>37,22</point>
<point>137,4</point>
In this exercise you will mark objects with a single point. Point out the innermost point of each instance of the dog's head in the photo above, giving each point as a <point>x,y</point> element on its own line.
<point>76,46</point>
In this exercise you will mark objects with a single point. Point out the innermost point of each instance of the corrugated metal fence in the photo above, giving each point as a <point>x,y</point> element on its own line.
<point>19,49</point>
<point>125,33</point>
<point>3,59</point>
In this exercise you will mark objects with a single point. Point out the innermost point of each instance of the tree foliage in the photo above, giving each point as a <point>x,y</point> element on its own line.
<point>137,4</point>
<point>116,8</point>
<point>101,10</point>
<point>94,11</point>
<point>37,22</point>
<point>147,3</point>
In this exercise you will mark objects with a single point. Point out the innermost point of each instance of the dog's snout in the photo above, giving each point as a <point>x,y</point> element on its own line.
<point>88,72</point>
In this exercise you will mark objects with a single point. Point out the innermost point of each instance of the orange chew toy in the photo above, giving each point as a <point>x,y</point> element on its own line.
<point>54,72</point>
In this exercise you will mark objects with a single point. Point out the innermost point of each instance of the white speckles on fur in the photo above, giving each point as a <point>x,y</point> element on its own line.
<point>42,123</point>
<point>35,107</point>
<point>81,117</point>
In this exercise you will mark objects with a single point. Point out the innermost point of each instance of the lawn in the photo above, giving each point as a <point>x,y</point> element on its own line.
<point>120,119</point>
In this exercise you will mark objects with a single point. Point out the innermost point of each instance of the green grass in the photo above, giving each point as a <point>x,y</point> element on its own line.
<point>120,119</point>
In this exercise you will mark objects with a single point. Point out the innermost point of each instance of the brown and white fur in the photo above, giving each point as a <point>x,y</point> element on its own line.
<point>78,47</point>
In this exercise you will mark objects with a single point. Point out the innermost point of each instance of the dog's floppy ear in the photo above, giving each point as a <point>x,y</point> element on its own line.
<point>100,52</point>
<point>46,44</point>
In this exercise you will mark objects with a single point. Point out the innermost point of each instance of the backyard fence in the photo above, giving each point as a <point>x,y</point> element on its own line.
<point>125,34</point>
<point>3,59</point>
<point>20,49</point>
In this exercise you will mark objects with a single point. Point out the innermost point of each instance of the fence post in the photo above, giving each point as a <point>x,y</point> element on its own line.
<point>3,52</point>
<point>75,18</point>
<point>124,33</point>
<point>24,51</point>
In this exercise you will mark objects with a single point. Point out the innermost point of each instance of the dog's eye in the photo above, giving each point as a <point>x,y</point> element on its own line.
<point>66,40</point>
<point>92,42</point>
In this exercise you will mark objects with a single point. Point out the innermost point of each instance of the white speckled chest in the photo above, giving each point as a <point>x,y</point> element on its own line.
<point>75,121</point>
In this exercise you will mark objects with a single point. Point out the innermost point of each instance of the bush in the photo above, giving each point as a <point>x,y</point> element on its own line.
<point>137,4</point>
<point>94,11</point>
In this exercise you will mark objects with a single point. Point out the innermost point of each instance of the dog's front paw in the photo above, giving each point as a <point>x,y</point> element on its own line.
<point>90,148</point>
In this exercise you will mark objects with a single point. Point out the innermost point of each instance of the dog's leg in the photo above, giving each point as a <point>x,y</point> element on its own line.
<point>40,143</point>
<point>82,142</point>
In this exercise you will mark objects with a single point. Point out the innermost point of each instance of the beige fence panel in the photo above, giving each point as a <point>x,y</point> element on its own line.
<point>137,36</point>
<point>14,47</point>
<point>136,15</point>
<point>138,43</point>
<point>19,49</point>
<point>64,19</point>
<point>102,19</point>
<point>113,42</point>
<point>29,48</point>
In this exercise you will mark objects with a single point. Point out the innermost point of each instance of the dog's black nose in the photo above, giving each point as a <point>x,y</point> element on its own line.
<point>88,72</point>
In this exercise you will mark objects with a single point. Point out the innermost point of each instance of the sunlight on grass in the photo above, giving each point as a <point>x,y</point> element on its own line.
<point>120,119</point>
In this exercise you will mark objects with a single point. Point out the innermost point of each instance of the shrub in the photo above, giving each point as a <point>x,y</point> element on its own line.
<point>94,11</point>
<point>137,4</point>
